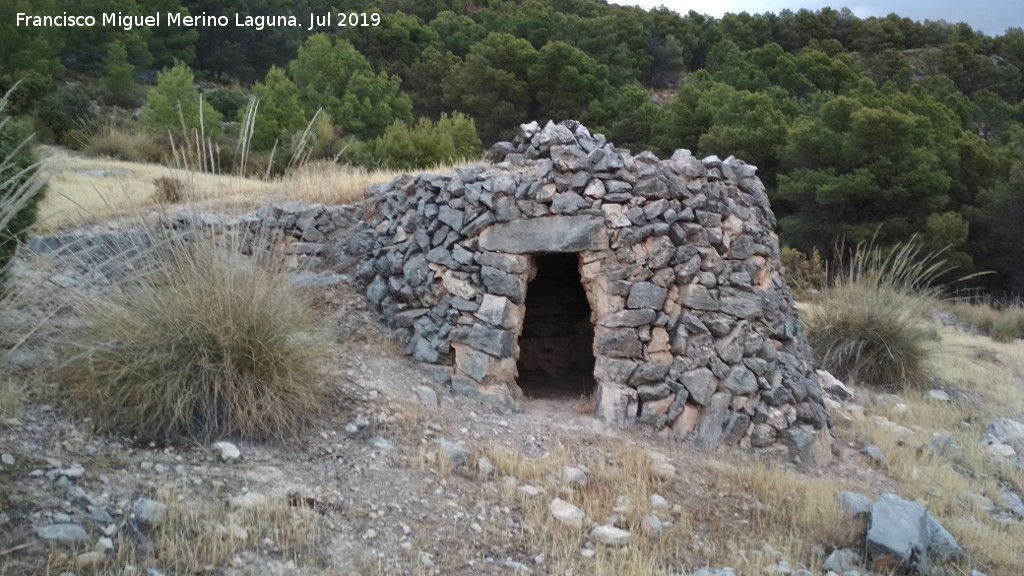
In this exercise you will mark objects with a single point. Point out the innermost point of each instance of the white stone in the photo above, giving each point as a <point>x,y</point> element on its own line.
<point>530,490</point>
<point>227,451</point>
<point>574,476</point>
<point>609,535</point>
<point>248,500</point>
<point>567,513</point>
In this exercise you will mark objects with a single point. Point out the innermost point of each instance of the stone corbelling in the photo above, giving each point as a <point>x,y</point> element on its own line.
<point>695,332</point>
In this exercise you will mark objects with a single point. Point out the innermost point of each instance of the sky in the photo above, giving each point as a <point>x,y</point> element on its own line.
<point>990,16</point>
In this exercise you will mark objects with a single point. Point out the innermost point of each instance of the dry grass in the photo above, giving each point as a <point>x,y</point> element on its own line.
<point>202,532</point>
<point>201,346</point>
<point>199,534</point>
<point>127,145</point>
<point>88,190</point>
<point>869,327</point>
<point>723,514</point>
<point>985,379</point>
<point>1004,322</point>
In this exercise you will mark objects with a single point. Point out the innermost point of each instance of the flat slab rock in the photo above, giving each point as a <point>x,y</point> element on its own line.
<point>904,537</point>
<point>552,234</point>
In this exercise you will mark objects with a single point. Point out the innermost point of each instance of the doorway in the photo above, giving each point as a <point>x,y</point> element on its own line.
<point>556,348</point>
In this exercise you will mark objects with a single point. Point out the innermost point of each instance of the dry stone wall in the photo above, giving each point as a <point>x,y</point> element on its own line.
<point>694,330</point>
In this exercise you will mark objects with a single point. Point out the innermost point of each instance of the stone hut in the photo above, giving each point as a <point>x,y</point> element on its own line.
<point>567,266</point>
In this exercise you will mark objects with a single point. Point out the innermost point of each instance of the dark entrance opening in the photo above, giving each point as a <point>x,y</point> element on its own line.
<point>556,354</point>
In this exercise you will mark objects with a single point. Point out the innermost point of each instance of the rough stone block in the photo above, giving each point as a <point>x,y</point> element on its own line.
<point>498,311</point>
<point>552,234</point>
<point>619,343</point>
<point>503,284</point>
<point>646,295</point>
<point>615,403</point>
<point>496,342</point>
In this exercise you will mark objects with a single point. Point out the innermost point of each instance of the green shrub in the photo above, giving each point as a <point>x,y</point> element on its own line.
<point>20,188</point>
<point>279,115</point>
<point>869,327</point>
<point>118,75</point>
<point>174,105</point>
<point>226,102</point>
<point>450,139</point>
<point>69,108</point>
<point>202,346</point>
<point>1005,329</point>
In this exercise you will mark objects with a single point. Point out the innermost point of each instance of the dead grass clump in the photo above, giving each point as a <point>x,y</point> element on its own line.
<point>869,326</point>
<point>120,144</point>
<point>203,346</point>
<point>804,274</point>
<point>200,532</point>
<point>1005,329</point>
<point>168,190</point>
<point>1004,321</point>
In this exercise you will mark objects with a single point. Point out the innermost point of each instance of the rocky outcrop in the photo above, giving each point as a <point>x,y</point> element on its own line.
<point>694,330</point>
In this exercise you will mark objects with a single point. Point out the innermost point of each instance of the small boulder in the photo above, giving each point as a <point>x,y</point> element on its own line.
<point>455,454</point>
<point>64,533</point>
<point>149,512</point>
<point>841,561</point>
<point>609,535</point>
<point>856,505</point>
<point>567,513</point>
<point>575,477</point>
<point>227,451</point>
<point>898,536</point>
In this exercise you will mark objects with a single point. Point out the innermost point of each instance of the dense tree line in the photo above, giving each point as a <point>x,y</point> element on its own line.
<point>879,128</point>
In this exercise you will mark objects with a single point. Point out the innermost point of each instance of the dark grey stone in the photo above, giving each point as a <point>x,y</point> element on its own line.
<point>646,295</point>
<point>568,203</point>
<point>697,297</point>
<point>453,218</point>
<point>740,304</point>
<point>650,392</point>
<point>506,209</point>
<point>649,373</point>
<point>496,342</point>
<point>653,188</point>
<point>63,533</point>
<point>710,430</point>
<point>735,428</point>
<point>503,284</point>
<point>619,343</point>
<point>424,351</point>
<point>730,348</point>
<point>740,382</point>
<point>700,385</point>
<point>455,454</point>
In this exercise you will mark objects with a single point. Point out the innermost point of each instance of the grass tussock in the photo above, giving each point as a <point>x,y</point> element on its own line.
<point>202,346</point>
<point>869,326</point>
<point>127,145</point>
<point>1004,322</point>
<point>197,535</point>
<point>1005,329</point>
